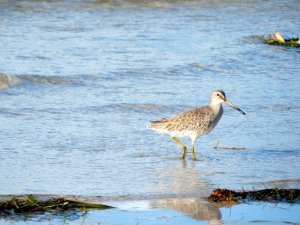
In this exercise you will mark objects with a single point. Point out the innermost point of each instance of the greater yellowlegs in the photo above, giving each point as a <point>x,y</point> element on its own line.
<point>196,122</point>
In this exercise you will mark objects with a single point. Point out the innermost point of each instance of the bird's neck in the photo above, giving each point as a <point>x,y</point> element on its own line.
<point>216,107</point>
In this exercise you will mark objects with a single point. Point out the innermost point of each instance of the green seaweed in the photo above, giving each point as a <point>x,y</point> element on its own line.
<point>289,43</point>
<point>29,204</point>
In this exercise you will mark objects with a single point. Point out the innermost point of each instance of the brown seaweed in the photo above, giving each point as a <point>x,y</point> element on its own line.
<point>267,195</point>
<point>29,204</point>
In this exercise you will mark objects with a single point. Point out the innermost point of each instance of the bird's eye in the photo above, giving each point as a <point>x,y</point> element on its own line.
<point>218,95</point>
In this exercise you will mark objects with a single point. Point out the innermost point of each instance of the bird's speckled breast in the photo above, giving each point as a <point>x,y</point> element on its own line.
<point>213,119</point>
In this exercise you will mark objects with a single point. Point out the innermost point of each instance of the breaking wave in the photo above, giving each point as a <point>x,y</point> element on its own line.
<point>156,3</point>
<point>7,80</point>
<point>47,79</point>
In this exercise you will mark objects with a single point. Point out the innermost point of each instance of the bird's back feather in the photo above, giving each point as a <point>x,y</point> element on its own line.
<point>194,122</point>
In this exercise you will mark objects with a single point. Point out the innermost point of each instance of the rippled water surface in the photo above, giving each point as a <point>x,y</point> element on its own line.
<point>81,79</point>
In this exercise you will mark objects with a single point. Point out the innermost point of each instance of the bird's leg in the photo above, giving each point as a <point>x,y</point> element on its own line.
<point>182,146</point>
<point>193,150</point>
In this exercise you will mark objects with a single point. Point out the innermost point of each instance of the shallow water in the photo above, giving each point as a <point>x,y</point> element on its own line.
<point>81,79</point>
<point>187,211</point>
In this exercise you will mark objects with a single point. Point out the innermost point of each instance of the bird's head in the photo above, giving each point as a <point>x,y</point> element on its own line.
<point>218,97</point>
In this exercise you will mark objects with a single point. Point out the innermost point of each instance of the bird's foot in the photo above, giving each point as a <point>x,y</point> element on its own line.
<point>193,153</point>
<point>194,157</point>
<point>184,152</point>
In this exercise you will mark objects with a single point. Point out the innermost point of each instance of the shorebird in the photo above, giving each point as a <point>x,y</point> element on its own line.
<point>196,122</point>
<point>278,37</point>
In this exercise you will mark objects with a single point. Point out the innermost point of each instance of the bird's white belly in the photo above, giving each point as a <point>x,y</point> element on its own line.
<point>184,133</point>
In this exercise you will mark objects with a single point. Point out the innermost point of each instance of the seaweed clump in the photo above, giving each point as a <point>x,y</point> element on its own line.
<point>293,42</point>
<point>268,195</point>
<point>30,205</point>
<point>277,39</point>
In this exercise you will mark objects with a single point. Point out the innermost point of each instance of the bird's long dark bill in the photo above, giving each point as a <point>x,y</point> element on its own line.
<point>233,106</point>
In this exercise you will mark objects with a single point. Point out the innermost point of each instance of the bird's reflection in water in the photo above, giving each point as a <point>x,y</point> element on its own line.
<point>183,180</point>
<point>192,207</point>
<point>189,187</point>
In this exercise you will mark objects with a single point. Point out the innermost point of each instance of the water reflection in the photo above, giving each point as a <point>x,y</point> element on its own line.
<point>59,217</point>
<point>158,211</point>
<point>187,181</point>
<point>192,207</point>
<point>182,179</point>
<point>215,213</point>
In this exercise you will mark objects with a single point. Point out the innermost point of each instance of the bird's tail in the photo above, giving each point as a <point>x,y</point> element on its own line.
<point>159,125</point>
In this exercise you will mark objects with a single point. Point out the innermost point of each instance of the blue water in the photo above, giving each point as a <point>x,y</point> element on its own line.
<point>171,211</point>
<point>80,80</point>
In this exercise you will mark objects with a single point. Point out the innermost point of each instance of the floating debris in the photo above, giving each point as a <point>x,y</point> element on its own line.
<point>277,39</point>
<point>227,147</point>
<point>30,205</point>
<point>267,195</point>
